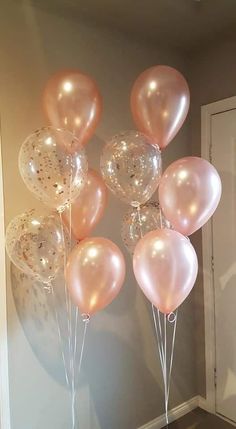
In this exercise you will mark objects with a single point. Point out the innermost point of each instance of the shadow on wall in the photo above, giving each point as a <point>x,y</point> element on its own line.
<point>109,364</point>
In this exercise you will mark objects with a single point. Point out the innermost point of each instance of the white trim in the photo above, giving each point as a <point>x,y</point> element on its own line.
<point>203,404</point>
<point>180,411</point>
<point>4,378</point>
<point>174,414</point>
<point>209,404</point>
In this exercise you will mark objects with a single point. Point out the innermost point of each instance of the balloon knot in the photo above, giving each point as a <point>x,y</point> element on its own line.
<point>85,317</point>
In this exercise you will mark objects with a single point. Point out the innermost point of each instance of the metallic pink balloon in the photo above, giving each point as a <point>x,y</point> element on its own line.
<point>165,266</point>
<point>95,273</point>
<point>159,103</point>
<point>189,193</point>
<point>72,100</point>
<point>88,209</point>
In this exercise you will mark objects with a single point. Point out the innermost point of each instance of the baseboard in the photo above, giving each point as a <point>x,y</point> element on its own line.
<point>174,414</point>
<point>204,404</point>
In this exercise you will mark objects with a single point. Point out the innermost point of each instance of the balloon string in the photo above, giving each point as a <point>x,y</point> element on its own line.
<point>68,311</point>
<point>165,372</point>
<point>72,364</point>
<point>59,334</point>
<point>161,334</point>
<point>72,335</point>
<point>75,337</point>
<point>162,342</point>
<point>65,287</point>
<point>158,338</point>
<point>140,222</point>
<point>161,337</point>
<point>172,353</point>
<point>86,322</point>
<point>73,403</point>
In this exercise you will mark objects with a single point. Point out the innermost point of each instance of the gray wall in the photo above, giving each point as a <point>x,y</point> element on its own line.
<point>120,385</point>
<point>212,77</point>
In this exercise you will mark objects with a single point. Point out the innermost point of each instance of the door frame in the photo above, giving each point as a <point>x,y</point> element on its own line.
<point>207,112</point>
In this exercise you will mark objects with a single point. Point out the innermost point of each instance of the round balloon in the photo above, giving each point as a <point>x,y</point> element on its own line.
<point>72,101</point>
<point>160,102</point>
<point>95,273</point>
<point>138,222</point>
<point>87,210</point>
<point>49,170</point>
<point>131,167</point>
<point>36,245</point>
<point>165,266</point>
<point>189,193</point>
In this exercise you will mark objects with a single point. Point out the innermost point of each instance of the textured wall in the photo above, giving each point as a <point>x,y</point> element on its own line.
<point>120,384</point>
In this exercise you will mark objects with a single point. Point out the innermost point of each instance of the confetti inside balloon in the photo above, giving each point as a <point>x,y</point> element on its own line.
<point>138,222</point>
<point>131,167</point>
<point>36,245</point>
<point>49,170</point>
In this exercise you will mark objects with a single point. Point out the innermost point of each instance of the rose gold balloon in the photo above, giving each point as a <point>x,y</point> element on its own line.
<point>95,273</point>
<point>72,101</point>
<point>165,266</point>
<point>189,193</point>
<point>160,103</point>
<point>88,208</point>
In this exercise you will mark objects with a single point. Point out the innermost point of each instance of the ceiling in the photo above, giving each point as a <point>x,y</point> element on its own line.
<point>183,24</point>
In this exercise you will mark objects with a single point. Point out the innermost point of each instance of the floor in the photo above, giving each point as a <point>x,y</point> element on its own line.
<point>199,419</point>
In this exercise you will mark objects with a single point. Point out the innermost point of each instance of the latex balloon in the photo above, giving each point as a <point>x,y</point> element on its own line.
<point>165,266</point>
<point>88,208</point>
<point>131,167</point>
<point>95,273</point>
<point>189,193</point>
<point>160,102</point>
<point>138,222</point>
<point>36,245</point>
<point>54,175</point>
<point>72,101</point>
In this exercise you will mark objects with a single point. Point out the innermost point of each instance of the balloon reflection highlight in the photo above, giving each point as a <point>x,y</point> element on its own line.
<point>165,266</point>
<point>95,273</point>
<point>159,103</point>
<point>88,209</point>
<point>72,100</point>
<point>189,193</point>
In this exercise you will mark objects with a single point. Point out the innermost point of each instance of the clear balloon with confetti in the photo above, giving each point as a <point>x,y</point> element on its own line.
<point>131,167</point>
<point>138,222</point>
<point>54,173</point>
<point>37,244</point>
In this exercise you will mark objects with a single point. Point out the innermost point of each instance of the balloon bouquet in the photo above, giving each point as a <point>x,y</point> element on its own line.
<point>156,234</point>
<point>53,165</point>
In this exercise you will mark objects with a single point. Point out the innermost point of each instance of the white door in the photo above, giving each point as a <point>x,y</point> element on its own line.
<point>223,150</point>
